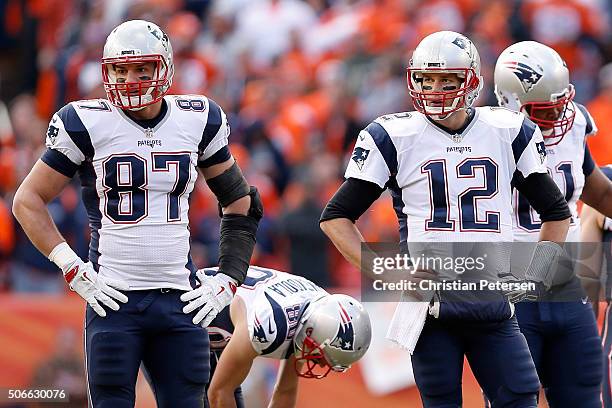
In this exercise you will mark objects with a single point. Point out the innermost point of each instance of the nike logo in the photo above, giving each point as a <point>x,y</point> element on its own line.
<point>585,300</point>
<point>221,291</point>
<point>361,137</point>
<point>69,276</point>
<point>85,276</point>
<point>270,327</point>
<point>54,119</point>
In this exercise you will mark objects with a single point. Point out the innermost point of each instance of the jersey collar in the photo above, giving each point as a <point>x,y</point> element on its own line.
<point>456,135</point>
<point>154,123</point>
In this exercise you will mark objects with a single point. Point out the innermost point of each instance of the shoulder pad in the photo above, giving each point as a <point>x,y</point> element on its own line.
<point>500,117</point>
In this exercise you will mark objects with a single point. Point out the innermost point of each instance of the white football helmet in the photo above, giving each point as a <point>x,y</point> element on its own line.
<point>131,42</point>
<point>444,52</point>
<point>333,333</point>
<point>531,77</point>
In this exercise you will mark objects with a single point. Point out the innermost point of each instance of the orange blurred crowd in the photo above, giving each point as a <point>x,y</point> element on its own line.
<point>298,80</point>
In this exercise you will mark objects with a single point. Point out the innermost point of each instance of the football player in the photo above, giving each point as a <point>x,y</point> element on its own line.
<point>278,315</point>
<point>532,78</point>
<point>596,230</point>
<point>450,169</point>
<point>137,154</point>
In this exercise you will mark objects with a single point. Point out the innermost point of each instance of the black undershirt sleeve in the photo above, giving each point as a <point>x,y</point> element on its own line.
<point>351,200</point>
<point>543,195</point>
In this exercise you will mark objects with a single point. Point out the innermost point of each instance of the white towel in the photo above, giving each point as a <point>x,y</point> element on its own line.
<point>407,322</point>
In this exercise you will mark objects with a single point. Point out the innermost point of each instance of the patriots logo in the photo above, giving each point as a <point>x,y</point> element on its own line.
<point>526,74</point>
<point>542,150</point>
<point>259,334</point>
<point>345,338</point>
<point>359,156</point>
<point>464,44</point>
<point>460,42</point>
<point>52,133</point>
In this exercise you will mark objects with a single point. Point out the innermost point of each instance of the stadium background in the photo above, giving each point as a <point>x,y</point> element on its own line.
<point>298,80</point>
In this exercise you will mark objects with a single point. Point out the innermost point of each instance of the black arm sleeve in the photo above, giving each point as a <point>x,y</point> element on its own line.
<point>351,200</point>
<point>238,238</point>
<point>543,195</point>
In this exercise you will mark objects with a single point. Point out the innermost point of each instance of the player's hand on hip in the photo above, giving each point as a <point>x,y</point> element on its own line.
<point>419,278</point>
<point>213,295</point>
<point>523,290</point>
<point>84,280</point>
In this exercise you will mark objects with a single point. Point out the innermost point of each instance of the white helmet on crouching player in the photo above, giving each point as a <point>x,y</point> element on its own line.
<point>444,52</point>
<point>533,78</point>
<point>333,333</point>
<point>134,42</point>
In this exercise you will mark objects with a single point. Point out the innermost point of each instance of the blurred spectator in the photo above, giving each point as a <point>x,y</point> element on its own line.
<point>308,245</point>
<point>63,371</point>
<point>265,27</point>
<point>601,109</point>
<point>193,73</point>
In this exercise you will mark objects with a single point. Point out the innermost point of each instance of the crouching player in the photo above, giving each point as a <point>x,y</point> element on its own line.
<point>278,315</point>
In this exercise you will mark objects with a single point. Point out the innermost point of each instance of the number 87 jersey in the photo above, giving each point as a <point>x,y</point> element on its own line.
<point>136,182</point>
<point>450,187</point>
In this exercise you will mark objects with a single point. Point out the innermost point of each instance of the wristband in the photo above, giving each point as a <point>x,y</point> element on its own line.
<point>62,255</point>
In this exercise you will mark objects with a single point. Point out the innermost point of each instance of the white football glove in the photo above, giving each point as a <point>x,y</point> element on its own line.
<point>84,280</point>
<point>213,295</point>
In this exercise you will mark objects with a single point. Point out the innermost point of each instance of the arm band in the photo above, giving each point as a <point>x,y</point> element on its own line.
<point>544,196</point>
<point>229,186</point>
<point>238,239</point>
<point>62,255</point>
<point>351,200</point>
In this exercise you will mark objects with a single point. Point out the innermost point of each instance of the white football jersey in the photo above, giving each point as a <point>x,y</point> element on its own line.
<point>565,165</point>
<point>445,187</point>
<point>136,183</point>
<point>274,301</point>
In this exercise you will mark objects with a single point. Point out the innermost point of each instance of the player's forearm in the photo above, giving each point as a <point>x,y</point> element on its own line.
<point>240,206</point>
<point>591,255</point>
<point>597,192</point>
<point>283,399</point>
<point>346,237</point>
<point>554,231</point>
<point>33,216</point>
<point>221,397</point>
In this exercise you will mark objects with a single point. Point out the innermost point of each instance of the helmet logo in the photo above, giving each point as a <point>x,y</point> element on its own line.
<point>345,338</point>
<point>526,74</point>
<point>155,33</point>
<point>460,42</point>
<point>464,44</point>
<point>160,35</point>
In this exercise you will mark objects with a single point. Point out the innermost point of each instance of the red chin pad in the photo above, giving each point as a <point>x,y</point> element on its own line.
<point>131,90</point>
<point>420,98</point>
<point>562,124</point>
